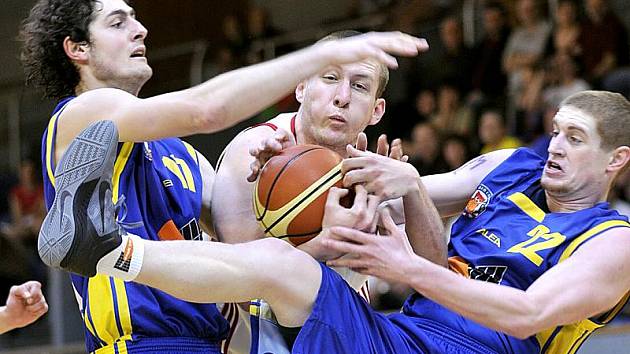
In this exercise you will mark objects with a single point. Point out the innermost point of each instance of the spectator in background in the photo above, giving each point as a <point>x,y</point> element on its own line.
<point>26,201</point>
<point>604,41</point>
<point>450,59</point>
<point>259,28</point>
<point>452,117</point>
<point>424,152</point>
<point>411,113</point>
<point>567,81</point>
<point>455,151</point>
<point>566,31</point>
<point>234,37</point>
<point>488,79</point>
<point>541,144</point>
<point>492,133</point>
<point>525,47</point>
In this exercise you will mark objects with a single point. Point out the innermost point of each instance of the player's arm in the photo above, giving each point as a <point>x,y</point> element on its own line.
<point>227,98</point>
<point>450,191</point>
<point>589,282</point>
<point>232,212</point>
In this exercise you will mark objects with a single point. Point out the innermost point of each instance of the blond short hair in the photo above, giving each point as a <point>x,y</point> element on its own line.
<point>611,112</point>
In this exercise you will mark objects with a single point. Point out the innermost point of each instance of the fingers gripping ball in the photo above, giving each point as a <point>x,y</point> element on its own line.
<point>290,193</point>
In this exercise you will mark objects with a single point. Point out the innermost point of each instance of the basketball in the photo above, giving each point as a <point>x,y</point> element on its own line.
<point>291,190</point>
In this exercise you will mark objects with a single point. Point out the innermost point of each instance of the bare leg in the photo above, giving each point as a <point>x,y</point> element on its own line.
<point>287,278</point>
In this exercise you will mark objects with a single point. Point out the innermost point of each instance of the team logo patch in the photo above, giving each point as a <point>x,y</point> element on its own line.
<point>478,202</point>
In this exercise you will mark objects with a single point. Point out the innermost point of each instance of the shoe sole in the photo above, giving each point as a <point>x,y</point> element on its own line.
<point>89,157</point>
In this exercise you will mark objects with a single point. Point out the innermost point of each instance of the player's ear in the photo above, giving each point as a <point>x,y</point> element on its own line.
<point>299,92</point>
<point>619,159</point>
<point>378,112</point>
<point>76,51</point>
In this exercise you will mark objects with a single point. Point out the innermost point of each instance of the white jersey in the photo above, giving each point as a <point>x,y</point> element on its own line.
<point>256,331</point>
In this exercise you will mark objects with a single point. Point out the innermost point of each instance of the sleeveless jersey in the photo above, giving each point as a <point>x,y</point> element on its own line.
<point>257,331</point>
<point>507,236</point>
<point>161,183</point>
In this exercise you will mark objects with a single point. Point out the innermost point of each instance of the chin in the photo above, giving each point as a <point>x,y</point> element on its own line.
<point>553,186</point>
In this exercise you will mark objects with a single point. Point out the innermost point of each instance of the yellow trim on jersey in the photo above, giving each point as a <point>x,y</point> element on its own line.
<point>588,234</point>
<point>299,203</point>
<point>120,345</point>
<point>568,339</point>
<point>101,308</point>
<point>101,298</point>
<point>119,166</point>
<point>191,150</point>
<point>123,307</point>
<point>49,143</point>
<point>527,206</point>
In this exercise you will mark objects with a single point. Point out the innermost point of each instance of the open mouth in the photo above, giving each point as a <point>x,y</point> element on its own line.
<point>553,166</point>
<point>138,53</point>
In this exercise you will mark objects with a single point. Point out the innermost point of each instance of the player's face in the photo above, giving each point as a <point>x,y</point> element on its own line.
<point>577,164</point>
<point>339,103</point>
<point>117,52</point>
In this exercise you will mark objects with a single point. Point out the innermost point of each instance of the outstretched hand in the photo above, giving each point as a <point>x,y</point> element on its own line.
<point>266,149</point>
<point>383,256</point>
<point>25,304</point>
<point>382,46</point>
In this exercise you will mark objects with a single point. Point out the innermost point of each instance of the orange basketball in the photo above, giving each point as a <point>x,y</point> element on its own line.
<point>290,193</point>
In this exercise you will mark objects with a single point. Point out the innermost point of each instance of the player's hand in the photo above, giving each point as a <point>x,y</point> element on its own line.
<point>361,215</point>
<point>381,46</point>
<point>387,178</point>
<point>383,256</point>
<point>25,304</point>
<point>395,151</point>
<point>266,149</point>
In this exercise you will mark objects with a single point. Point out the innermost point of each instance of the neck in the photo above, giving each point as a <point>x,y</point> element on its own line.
<point>564,203</point>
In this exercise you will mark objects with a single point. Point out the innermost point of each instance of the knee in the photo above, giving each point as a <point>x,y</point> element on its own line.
<point>279,261</point>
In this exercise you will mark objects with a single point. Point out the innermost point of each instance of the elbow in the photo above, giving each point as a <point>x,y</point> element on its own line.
<point>520,331</point>
<point>523,327</point>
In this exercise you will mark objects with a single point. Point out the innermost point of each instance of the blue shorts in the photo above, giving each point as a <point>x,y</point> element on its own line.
<point>162,345</point>
<point>342,322</point>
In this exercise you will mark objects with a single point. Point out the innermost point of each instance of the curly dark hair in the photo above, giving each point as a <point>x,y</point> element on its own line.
<point>46,64</point>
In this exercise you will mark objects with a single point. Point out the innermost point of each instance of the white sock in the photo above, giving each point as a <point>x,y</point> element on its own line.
<point>125,261</point>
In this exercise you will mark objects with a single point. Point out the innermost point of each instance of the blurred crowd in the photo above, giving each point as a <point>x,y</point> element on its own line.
<point>22,211</point>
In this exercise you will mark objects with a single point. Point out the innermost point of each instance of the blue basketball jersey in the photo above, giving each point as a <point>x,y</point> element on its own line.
<point>507,236</point>
<point>161,183</point>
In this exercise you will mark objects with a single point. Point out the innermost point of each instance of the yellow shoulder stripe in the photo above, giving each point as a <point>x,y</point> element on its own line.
<point>119,166</point>
<point>528,207</point>
<point>590,233</point>
<point>49,143</point>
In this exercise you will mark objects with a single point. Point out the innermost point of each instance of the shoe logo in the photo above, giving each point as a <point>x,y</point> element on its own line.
<point>63,196</point>
<point>124,260</point>
<point>102,194</point>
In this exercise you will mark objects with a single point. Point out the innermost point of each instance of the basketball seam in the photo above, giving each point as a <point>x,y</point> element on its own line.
<point>281,217</point>
<point>275,180</point>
